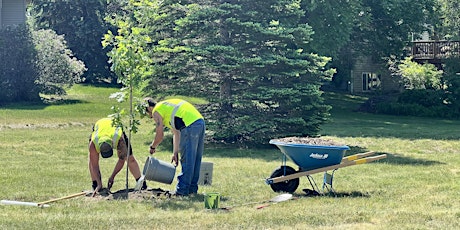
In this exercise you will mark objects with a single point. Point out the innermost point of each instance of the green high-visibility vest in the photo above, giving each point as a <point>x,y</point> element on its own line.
<point>104,131</point>
<point>168,109</point>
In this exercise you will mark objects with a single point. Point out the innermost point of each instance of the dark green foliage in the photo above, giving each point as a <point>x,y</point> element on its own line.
<point>391,24</point>
<point>333,23</point>
<point>17,68</point>
<point>347,29</point>
<point>251,60</point>
<point>452,80</point>
<point>421,103</point>
<point>403,109</point>
<point>82,23</point>
<point>426,98</point>
<point>34,62</point>
<point>449,26</point>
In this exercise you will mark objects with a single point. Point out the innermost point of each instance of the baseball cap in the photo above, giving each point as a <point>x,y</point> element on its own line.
<point>106,148</point>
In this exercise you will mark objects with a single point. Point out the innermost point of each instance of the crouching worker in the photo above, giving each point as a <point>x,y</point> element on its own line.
<point>103,140</point>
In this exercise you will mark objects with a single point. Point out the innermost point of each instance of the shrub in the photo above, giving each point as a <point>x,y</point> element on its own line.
<point>426,98</point>
<point>400,109</point>
<point>420,103</point>
<point>56,66</point>
<point>419,76</point>
<point>34,62</point>
<point>17,69</point>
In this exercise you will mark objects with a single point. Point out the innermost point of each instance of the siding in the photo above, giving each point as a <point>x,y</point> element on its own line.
<point>365,65</point>
<point>13,12</point>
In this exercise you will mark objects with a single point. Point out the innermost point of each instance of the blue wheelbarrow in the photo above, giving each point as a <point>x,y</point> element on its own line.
<point>313,159</point>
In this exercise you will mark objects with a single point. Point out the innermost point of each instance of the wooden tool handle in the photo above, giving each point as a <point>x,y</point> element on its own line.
<point>62,198</point>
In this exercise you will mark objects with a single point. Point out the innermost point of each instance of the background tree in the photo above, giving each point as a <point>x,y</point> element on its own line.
<point>380,30</point>
<point>392,24</point>
<point>250,60</point>
<point>334,24</point>
<point>450,19</point>
<point>83,26</point>
<point>17,68</point>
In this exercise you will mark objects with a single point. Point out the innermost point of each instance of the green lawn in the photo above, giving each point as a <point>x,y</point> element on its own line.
<point>44,156</point>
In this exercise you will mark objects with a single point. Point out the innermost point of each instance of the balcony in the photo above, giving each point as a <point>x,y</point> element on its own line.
<point>435,51</point>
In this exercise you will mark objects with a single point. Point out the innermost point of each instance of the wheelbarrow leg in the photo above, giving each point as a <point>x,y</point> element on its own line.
<point>314,191</point>
<point>327,184</point>
<point>327,181</point>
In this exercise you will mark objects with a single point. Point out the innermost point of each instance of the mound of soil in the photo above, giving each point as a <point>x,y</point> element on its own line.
<point>309,141</point>
<point>148,194</point>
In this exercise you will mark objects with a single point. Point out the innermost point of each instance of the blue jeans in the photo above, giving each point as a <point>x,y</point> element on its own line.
<point>191,149</point>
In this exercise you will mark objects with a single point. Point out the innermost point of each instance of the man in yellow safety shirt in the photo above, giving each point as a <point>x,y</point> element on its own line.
<point>104,138</point>
<point>188,128</point>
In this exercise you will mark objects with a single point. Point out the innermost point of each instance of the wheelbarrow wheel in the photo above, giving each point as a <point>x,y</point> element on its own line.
<point>288,186</point>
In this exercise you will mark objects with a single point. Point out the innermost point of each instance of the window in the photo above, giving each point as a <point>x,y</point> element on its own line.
<point>371,81</point>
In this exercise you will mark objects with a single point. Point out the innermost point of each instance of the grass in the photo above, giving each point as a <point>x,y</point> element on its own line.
<point>44,156</point>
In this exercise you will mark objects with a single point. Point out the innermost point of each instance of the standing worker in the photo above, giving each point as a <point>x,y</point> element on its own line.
<point>188,128</point>
<point>103,139</point>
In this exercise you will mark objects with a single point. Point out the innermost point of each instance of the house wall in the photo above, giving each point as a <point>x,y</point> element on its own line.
<point>366,65</point>
<point>12,12</point>
<point>1,10</point>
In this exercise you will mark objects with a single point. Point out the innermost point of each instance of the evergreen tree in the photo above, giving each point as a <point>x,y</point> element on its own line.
<point>249,59</point>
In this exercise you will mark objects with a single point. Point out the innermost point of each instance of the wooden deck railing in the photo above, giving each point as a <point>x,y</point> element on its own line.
<point>435,50</point>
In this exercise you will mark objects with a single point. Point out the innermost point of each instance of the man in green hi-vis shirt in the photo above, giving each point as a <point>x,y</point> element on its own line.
<point>188,128</point>
<point>104,138</point>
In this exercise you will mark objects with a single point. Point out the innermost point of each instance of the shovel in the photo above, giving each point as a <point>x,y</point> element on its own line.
<point>276,199</point>
<point>43,204</point>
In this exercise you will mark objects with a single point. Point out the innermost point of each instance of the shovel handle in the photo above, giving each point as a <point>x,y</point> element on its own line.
<point>62,198</point>
<point>262,206</point>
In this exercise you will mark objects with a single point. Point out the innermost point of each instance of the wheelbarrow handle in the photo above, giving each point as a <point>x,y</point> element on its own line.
<point>357,156</point>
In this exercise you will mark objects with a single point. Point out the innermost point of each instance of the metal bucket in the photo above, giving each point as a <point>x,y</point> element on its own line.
<point>160,171</point>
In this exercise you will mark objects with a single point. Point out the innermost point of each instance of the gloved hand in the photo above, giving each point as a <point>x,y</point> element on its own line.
<point>99,187</point>
<point>110,183</point>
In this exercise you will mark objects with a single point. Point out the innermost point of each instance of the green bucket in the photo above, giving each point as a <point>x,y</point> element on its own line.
<point>211,200</point>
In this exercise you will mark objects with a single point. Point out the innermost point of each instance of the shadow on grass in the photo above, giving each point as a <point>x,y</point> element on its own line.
<point>353,194</point>
<point>272,153</point>
<point>160,198</point>
<point>41,105</point>
<point>393,159</point>
<point>187,202</point>
<point>401,160</point>
<point>386,126</point>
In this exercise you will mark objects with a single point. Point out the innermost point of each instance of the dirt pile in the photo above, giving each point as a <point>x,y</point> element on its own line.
<point>309,141</point>
<point>149,194</point>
